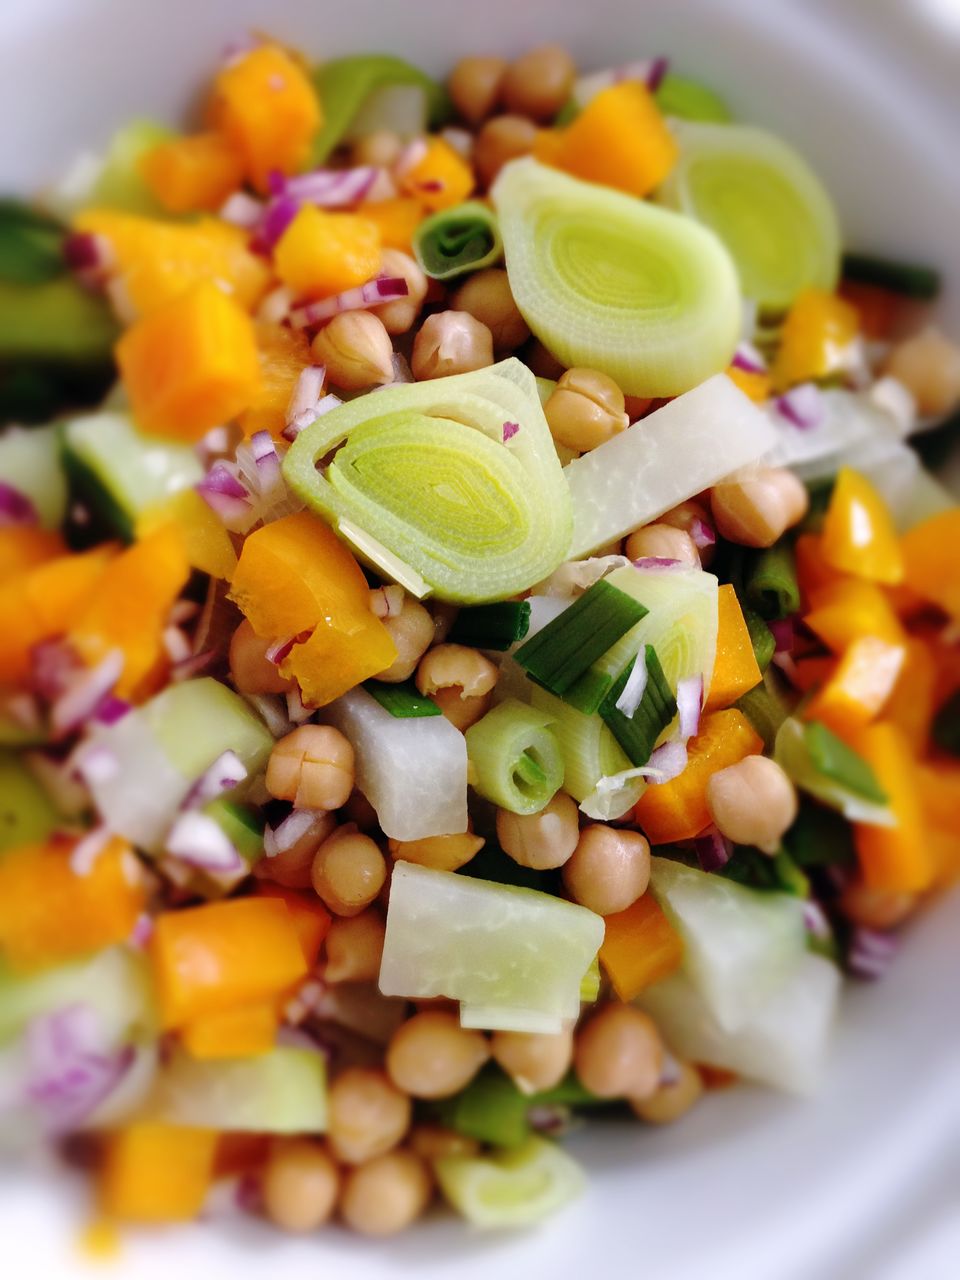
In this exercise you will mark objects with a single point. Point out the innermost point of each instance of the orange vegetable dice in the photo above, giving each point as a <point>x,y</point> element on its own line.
<point>931,566</point>
<point>846,610</point>
<point>877,309</point>
<point>756,385</point>
<point>223,956</point>
<point>858,535</point>
<point>156,1173</point>
<point>310,918</point>
<point>735,669</point>
<point>50,913</point>
<point>440,179</point>
<point>284,354</point>
<point>206,543</point>
<point>266,106</point>
<point>857,691</point>
<point>808,673</point>
<point>193,173</point>
<point>190,364</point>
<point>813,572</point>
<point>678,810</point>
<point>23,547</point>
<point>128,608</point>
<point>296,576</point>
<point>396,220</point>
<point>897,859</point>
<point>547,146</point>
<point>232,1033</point>
<point>619,139</point>
<point>325,253</point>
<point>912,704</point>
<point>640,946</point>
<point>815,339</point>
<point>938,786</point>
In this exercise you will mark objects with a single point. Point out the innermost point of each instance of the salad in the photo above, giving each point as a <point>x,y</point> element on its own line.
<point>477,651</point>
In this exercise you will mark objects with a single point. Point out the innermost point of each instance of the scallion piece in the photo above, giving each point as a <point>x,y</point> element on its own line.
<point>946,725</point>
<point>793,754</point>
<point>590,754</point>
<point>765,708</point>
<point>492,626</point>
<point>403,701</point>
<point>689,100</point>
<point>638,734</point>
<point>821,838</point>
<point>562,652</point>
<point>835,760</point>
<point>516,759</point>
<point>761,637</point>
<point>490,1109</point>
<point>454,241</point>
<point>771,582</point>
<point>897,277</point>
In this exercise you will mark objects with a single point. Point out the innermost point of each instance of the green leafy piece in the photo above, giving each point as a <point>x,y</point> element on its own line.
<point>835,760</point>
<point>492,626</point>
<point>454,241</point>
<point>946,725</point>
<point>909,279</point>
<point>516,759</point>
<point>403,701</point>
<point>690,100</point>
<point>591,754</point>
<point>765,708</point>
<point>761,637</point>
<point>31,244</point>
<point>771,582</point>
<point>820,838</point>
<point>792,753</point>
<point>344,85</point>
<point>490,1109</point>
<point>511,1188</point>
<point>638,734</point>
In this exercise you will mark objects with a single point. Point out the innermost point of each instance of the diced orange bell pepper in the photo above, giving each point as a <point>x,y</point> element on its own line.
<point>233,1033</point>
<point>190,364</point>
<point>206,542</point>
<point>396,220</point>
<point>324,253</point>
<point>859,688</point>
<point>193,173</point>
<point>897,859</point>
<point>846,610</point>
<point>296,576</point>
<point>816,335</point>
<point>808,673</point>
<point>931,562</point>
<point>619,139</point>
<point>440,179</point>
<point>266,105</point>
<point>23,547</point>
<point>311,919</point>
<point>129,606</point>
<point>911,706</point>
<point>735,669</point>
<point>938,785</point>
<point>284,354</point>
<point>547,146</point>
<point>241,1153</point>
<point>156,1173</point>
<point>640,946</point>
<point>678,810</point>
<point>223,956</point>
<point>50,913</point>
<point>813,572</point>
<point>754,384</point>
<point>858,535</point>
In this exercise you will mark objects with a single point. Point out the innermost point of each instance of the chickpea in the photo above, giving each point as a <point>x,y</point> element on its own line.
<point>754,508</point>
<point>501,139</point>
<point>609,869</point>
<point>250,670</point>
<point>671,1101</point>
<point>928,365</point>
<point>539,83</point>
<point>293,867</point>
<point>487,297</point>
<point>534,1061</point>
<point>412,632</point>
<point>367,1114</point>
<point>450,342</point>
<point>474,86</point>
<point>381,149</point>
<point>432,1056</point>
<point>385,1195</point>
<point>876,908</point>
<point>752,802</point>
<point>541,840</point>
<point>662,541</point>
<point>313,767</point>
<point>618,1053</point>
<point>431,1142</point>
<point>299,1185</point>
<point>356,350</point>
<point>398,316</point>
<point>348,871</point>
<point>585,410</point>
<point>443,853</point>
<point>354,947</point>
<point>460,681</point>
<point>694,519</point>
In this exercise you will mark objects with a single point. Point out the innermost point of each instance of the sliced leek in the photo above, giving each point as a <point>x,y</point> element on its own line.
<point>423,479</point>
<point>590,754</point>
<point>616,284</point>
<point>517,763</point>
<point>514,1187</point>
<point>453,241</point>
<point>764,202</point>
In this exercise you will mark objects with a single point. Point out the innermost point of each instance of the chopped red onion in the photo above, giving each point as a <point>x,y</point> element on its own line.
<point>279,213</point>
<point>308,391</point>
<point>636,686</point>
<point>187,668</point>
<point>689,703</point>
<point>88,849</point>
<point>784,662</point>
<point>332,188</point>
<point>657,562</point>
<point>242,210</point>
<point>783,631</point>
<point>59,779</point>
<point>510,429</point>
<point>669,761</point>
<point>54,666</point>
<point>226,772</point>
<point>870,953</point>
<point>293,828</point>
<point>280,649</point>
<point>372,294</point>
<point>15,507</point>
<point>176,644</point>
<point>648,71</point>
<point>275,306</point>
<point>267,460</point>
<point>85,693</point>
<point>702,533</point>
<point>72,1070</point>
<point>306,999</point>
<point>183,611</point>
<point>802,406</point>
<point>222,491</point>
<point>215,444</point>
<point>309,416</point>
<point>461,140</point>
<point>90,257</point>
<point>195,838</point>
<point>749,359</point>
<point>713,850</point>
<point>552,1118</point>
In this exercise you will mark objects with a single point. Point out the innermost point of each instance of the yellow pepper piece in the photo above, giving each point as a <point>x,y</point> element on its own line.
<point>858,535</point>
<point>912,704</point>
<point>619,139</point>
<point>192,173</point>
<point>813,572</point>
<point>897,859</point>
<point>396,220</point>
<point>755,385</point>
<point>233,1033</point>
<point>325,253</point>
<point>640,946</point>
<point>284,354</point>
<point>206,542</point>
<point>24,547</point>
<point>156,1173</point>
<point>846,610</point>
<point>931,564</point>
<point>857,691</point>
<point>735,669</point>
<point>440,179</point>
<point>816,334</point>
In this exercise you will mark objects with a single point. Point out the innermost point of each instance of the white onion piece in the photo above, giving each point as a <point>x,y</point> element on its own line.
<point>689,702</point>
<point>294,827</point>
<point>226,772</point>
<point>633,691</point>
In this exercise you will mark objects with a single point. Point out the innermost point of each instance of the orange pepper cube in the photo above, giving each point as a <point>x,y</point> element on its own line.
<point>194,173</point>
<point>912,704</point>
<point>24,547</point>
<point>752,383</point>
<point>816,334</point>
<point>396,220</point>
<point>310,918</point>
<point>640,946</point>
<point>932,565</point>
<point>206,542</point>
<point>897,859</point>
<point>156,1173</point>
<point>858,535</point>
<point>233,1033</point>
<point>440,179</point>
<point>857,691</point>
<point>735,669</point>
<point>191,364</point>
<point>284,354</point>
<point>325,253</point>
<point>619,139</point>
<point>846,610</point>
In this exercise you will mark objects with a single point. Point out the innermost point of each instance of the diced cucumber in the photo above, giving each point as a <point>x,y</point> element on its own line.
<point>26,812</point>
<point>240,825</point>
<point>512,1188</point>
<point>58,320</point>
<point>30,461</point>
<point>120,184</point>
<point>196,721</point>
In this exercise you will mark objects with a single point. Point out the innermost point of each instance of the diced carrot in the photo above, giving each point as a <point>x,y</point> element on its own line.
<point>735,670</point>
<point>206,542</point>
<point>846,610</point>
<point>24,547</point>
<point>284,353</point>
<point>816,334</point>
<point>755,384</point>
<point>440,179</point>
<point>911,706</point>
<point>396,220</point>
<point>619,139</point>
<point>859,688</point>
<point>640,946</point>
<point>156,1173</point>
<point>813,572</point>
<point>311,919</point>
<point>858,535</point>
<point>323,253</point>
<point>678,810</point>
<point>898,858</point>
<point>931,567</point>
<point>192,173</point>
<point>232,1033</point>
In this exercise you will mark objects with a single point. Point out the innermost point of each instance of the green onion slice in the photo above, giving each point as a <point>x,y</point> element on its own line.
<point>897,277</point>
<point>771,586</point>
<point>841,764</point>
<point>492,626</point>
<point>765,708</point>
<point>690,100</point>
<point>516,759</point>
<point>761,637</point>
<point>638,732</point>
<point>792,753</point>
<point>454,241</point>
<point>344,85</point>
<point>403,701</point>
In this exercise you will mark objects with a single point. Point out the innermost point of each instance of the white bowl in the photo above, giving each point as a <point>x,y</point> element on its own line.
<point>863,1181</point>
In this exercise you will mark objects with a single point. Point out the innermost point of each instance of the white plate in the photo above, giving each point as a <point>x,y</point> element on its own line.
<point>864,1182</point>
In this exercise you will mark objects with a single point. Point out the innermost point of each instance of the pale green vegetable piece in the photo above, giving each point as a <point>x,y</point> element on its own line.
<point>517,762</point>
<point>613,283</point>
<point>514,1187</point>
<point>120,184</point>
<point>197,720</point>
<point>27,813</point>
<point>792,755</point>
<point>30,461</point>
<point>590,752</point>
<point>764,202</point>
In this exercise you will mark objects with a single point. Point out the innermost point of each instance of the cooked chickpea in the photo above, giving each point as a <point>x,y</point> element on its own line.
<point>398,316</point>
<point>541,840</point>
<point>313,767</point>
<point>533,1060</point>
<point>752,802</point>
<point>928,365</point>
<point>585,409</point>
<point>619,1054</point>
<point>381,148</point>
<point>294,866</point>
<point>694,519</point>
<point>348,871</point>
<point>609,869</point>
<point>662,541</point>
<point>412,631</point>
<point>431,1142</point>
<point>539,83</point>
<point>876,908</point>
<point>443,853</point>
<point>450,342</point>
<point>299,1185</point>
<point>501,139</point>
<point>474,86</point>
<point>755,508</point>
<point>486,295</point>
<point>673,1100</point>
<point>367,1114</point>
<point>460,680</point>
<point>356,350</point>
<point>250,669</point>
<point>386,1195</point>
<point>432,1056</point>
<point>354,947</point>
